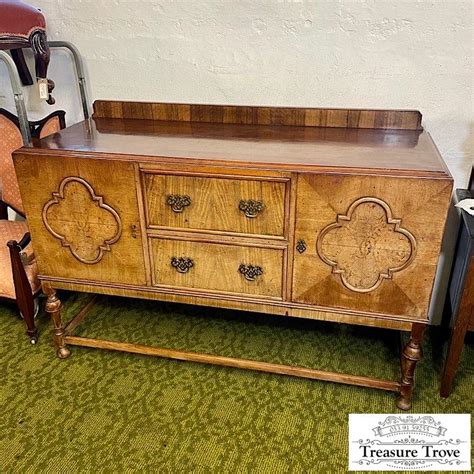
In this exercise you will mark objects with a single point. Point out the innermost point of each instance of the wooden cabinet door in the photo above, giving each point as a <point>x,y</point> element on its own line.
<point>371,243</point>
<point>83,217</point>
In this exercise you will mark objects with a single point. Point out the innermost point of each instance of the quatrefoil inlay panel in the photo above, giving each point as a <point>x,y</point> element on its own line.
<point>81,220</point>
<point>366,245</point>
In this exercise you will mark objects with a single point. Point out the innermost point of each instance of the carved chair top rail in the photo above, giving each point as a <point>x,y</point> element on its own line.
<point>252,115</point>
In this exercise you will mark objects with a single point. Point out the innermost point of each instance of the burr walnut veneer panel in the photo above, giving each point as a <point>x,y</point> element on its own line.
<point>373,245</point>
<point>84,217</point>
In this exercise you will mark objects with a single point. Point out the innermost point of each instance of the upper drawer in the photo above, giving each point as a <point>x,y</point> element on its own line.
<point>238,205</point>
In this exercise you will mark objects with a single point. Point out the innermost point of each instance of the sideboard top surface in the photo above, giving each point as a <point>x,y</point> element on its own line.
<point>294,148</point>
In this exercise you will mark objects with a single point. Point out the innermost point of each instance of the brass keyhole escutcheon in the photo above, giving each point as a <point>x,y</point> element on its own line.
<point>301,246</point>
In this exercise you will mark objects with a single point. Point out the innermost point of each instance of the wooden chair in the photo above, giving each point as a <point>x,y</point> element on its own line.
<point>18,271</point>
<point>24,26</point>
<point>460,298</point>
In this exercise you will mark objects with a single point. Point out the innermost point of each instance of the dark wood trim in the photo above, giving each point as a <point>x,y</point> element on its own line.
<point>20,63</point>
<point>250,115</point>
<point>9,42</point>
<point>24,295</point>
<point>3,209</point>
<point>39,44</point>
<point>10,116</point>
<point>36,126</point>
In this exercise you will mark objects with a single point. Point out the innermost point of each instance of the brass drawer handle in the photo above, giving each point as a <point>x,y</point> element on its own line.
<point>178,202</point>
<point>251,208</point>
<point>250,272</point>
<point>182,264</point>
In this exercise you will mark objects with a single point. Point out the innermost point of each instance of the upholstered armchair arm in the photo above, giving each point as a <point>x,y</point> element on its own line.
<point>22,244</point>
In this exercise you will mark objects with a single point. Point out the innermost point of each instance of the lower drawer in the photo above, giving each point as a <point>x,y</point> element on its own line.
<point>217,267</point>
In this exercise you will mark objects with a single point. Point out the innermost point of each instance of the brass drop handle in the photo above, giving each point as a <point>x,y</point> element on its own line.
<point>251,208</point>
<point>134,229</point>
<point>250,272</point>
<point>182,264</point>
<point>178,202</point>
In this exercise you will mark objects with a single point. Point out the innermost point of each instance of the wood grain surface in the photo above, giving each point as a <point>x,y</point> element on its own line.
<point>251,115</point>
<point>408,152</point>
<point>237,302</point>
<point>259,366</point>
<point>214,204</point>
<point>79,221</point>
<point>368,245</point>
<point>216,267</point>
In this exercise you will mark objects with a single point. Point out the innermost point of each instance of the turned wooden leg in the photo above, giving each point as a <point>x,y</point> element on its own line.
<point>53,307</point>
<point>411,354</point>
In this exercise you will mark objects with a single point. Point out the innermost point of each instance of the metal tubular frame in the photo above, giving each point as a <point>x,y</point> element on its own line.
<point>81,77</point>
<point>18,88</point>
<point>18,95</point>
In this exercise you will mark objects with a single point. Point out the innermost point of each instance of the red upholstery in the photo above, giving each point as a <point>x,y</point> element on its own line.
<point>18,19</point>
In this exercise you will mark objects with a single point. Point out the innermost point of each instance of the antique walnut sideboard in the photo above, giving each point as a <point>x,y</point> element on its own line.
<point>327,214</point>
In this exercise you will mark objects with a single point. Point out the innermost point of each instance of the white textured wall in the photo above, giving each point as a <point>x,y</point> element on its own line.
<point>382,54</point>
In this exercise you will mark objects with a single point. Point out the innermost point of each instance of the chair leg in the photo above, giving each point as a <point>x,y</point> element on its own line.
<point>28,311</point>
<point>24,296</point>
<point>22,67</point>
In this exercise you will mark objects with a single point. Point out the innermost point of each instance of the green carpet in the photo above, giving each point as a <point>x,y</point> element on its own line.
<point>102,411</point>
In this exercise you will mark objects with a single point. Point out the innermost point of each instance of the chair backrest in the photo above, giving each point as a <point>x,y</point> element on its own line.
<point>11,140</point>
<point>49,125</point>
